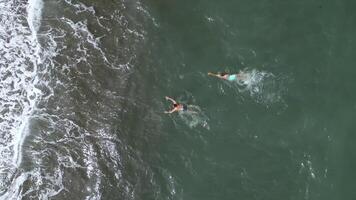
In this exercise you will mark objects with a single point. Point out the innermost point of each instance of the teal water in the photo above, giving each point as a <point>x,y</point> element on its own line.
<point>297,145</point>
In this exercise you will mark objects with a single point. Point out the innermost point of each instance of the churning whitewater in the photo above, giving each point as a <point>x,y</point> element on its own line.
<point>19,73</point>
<point>57,108</point>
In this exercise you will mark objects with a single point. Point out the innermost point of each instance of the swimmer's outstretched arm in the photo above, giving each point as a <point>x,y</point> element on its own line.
<point>170,99</point>
<point>216,75</point>
<point>212,74</point>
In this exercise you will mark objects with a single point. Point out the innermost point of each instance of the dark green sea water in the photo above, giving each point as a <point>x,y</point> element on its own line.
<point>299,147</point>
<point>87,121</point>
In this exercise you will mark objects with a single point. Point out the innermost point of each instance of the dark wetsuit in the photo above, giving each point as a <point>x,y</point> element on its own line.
<point>185,107</point>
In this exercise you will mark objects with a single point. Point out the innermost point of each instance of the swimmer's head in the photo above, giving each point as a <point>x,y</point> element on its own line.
<point>175,105</point>
<point>222,73</point>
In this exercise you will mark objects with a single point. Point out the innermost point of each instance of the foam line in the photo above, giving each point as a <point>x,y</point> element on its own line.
<point>34,10</point>
<point>19,59</point>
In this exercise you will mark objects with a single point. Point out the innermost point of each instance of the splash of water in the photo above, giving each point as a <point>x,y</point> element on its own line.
<point>194,117</point>
<point>261,86</point>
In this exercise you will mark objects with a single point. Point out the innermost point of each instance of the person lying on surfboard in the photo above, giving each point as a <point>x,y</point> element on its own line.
<point>176,106</point>
<point>229,77</point>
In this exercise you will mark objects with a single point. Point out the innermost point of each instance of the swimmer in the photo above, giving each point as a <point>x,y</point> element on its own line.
<point>229,77</point>
<point>176,106</point>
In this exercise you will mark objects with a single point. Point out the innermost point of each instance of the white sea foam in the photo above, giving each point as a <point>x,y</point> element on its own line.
<point>92,172</point>
<point>34,11</point>
<point>27,49</point>
<point>19,60</point>
<point>80,7</point>
<point>82,33</point>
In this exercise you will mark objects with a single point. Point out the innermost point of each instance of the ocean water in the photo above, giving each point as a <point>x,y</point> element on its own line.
<point>83,86</point>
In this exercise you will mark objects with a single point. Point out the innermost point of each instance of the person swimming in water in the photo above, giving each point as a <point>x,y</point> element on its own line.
<point>176,106</point>
<point>229,77</point>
